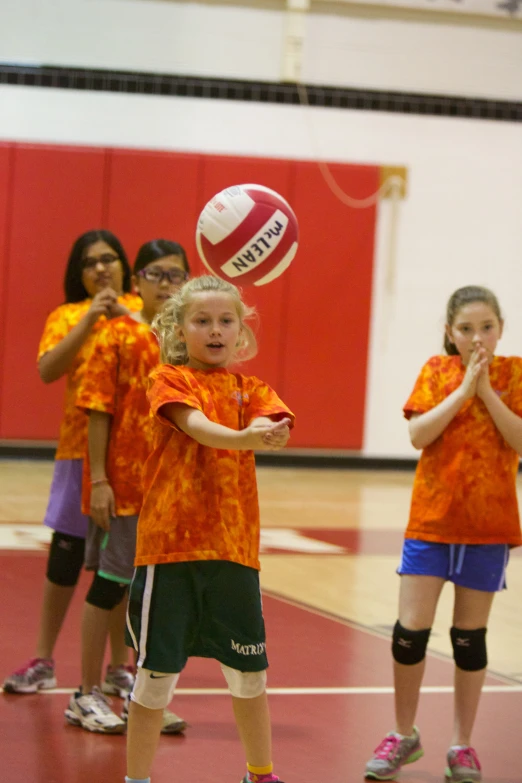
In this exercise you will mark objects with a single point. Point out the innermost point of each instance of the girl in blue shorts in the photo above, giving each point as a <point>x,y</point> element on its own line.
<point>465,414</point>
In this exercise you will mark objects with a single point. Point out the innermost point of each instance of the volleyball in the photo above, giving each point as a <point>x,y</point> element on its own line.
<point>247,234</point>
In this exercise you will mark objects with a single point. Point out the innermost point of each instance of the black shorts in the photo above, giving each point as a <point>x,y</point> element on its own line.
<point>207,609</point>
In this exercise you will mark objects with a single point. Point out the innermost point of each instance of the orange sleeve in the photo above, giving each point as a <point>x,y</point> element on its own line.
<point>97,390</point>
<point>55,329</point>
<point>60,322</point>
<point>426,393</point>
<point>263,401</point>
<point>168,384</point>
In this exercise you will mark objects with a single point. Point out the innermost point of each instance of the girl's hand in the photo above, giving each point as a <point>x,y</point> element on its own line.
<point>270,437</point>
<point>118,309</point>
<point>476,364</point>
<point>483,380</point>
<point>103,507</point>
<point>101,304</point>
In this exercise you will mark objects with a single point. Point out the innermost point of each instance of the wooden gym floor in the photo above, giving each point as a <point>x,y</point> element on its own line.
<point>331,542</point>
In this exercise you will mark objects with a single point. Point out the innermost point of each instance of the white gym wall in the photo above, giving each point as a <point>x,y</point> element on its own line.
<point>461,221</point>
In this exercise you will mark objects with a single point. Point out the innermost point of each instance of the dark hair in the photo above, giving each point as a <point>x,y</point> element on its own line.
<point>75,290</point>
<point>464,296</point>
<point>159,248</point>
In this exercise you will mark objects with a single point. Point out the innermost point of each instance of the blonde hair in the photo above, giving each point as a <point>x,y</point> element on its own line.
<point>169,321</point>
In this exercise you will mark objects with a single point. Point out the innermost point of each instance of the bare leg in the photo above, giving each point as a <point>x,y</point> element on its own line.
<point>95,627</point>
<point>56,600</point>
<point>407,681</point>
<point>117,620</point>
<point>418,598</point>
<point>253,724</point>
<point>472,608</point>
<point>143,733</point>
<point>468,688</point>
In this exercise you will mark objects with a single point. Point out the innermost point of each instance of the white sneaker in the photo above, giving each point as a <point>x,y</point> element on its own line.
<point>171,724</point>
<point>91,711</point>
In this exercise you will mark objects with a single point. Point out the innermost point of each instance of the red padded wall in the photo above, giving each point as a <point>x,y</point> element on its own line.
<point>57,194</point>
<point>5,203</point>
<point>219,173</point>
<point>314,320</point>
<point>328,308</point>
<point>152,195</point>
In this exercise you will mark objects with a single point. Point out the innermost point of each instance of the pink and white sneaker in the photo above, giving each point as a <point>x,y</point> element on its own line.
<point>119,681</point>
<point>37,674</point>
<point>391,754</point>
<point>463,766</point>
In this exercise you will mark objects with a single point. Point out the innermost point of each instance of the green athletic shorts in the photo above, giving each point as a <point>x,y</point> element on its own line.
<point>206,609</point>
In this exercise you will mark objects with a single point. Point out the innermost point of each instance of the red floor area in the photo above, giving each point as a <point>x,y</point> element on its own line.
<point>317,738</point>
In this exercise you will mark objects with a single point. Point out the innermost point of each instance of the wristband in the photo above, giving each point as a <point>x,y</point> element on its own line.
<point>99,481</point>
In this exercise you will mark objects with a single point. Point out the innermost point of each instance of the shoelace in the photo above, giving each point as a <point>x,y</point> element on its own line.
<point>467,757</point>
<point>100,702</point>
<point>388,747</point>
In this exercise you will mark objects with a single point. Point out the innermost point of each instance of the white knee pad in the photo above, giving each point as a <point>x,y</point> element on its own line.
<point>153,690</point>
<point>244,685</point>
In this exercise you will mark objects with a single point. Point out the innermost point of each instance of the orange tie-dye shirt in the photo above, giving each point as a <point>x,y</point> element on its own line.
<point>72,440</point>
<point>201,503</point>
<point>115,381</point>
<point>465,484</point>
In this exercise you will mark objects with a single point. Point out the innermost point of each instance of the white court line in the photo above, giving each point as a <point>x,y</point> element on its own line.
<point>348,691</point>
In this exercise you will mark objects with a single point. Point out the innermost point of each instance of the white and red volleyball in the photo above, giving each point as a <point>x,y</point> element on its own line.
<point>247,234</point>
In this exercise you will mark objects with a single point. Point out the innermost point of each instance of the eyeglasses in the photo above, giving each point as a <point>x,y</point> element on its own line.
<point>91,262</point>
<point>156,275</point>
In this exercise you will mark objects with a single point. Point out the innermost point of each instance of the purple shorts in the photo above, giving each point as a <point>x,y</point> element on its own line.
<point>64,510</point>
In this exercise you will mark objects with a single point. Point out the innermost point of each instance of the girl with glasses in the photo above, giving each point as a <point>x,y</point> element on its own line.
<point>113,393</point>
<point>97,288</point>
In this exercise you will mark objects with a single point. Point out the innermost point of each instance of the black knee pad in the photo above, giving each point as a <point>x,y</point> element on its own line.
<point>409,647</point>
<point>469,649</point>
<point>104,593</point>
<point>65,559</point>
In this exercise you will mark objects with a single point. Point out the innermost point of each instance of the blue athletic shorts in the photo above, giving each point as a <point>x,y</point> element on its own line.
<point>477,566</point>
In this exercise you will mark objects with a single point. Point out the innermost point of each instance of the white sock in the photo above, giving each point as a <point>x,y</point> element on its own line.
<point>136,780</point>
<point>404,736</point>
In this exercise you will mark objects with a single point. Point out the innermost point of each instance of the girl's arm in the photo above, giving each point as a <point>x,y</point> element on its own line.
<point>425,428</point>
<point>118,309</point>
<point>57,361</point>
<point>195,424</point>
<point>102,497</point>
<point>508,423</point>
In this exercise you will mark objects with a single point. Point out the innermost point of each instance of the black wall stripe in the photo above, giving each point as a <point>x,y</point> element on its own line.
<point>259,92</point>
<point>341,461</point>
